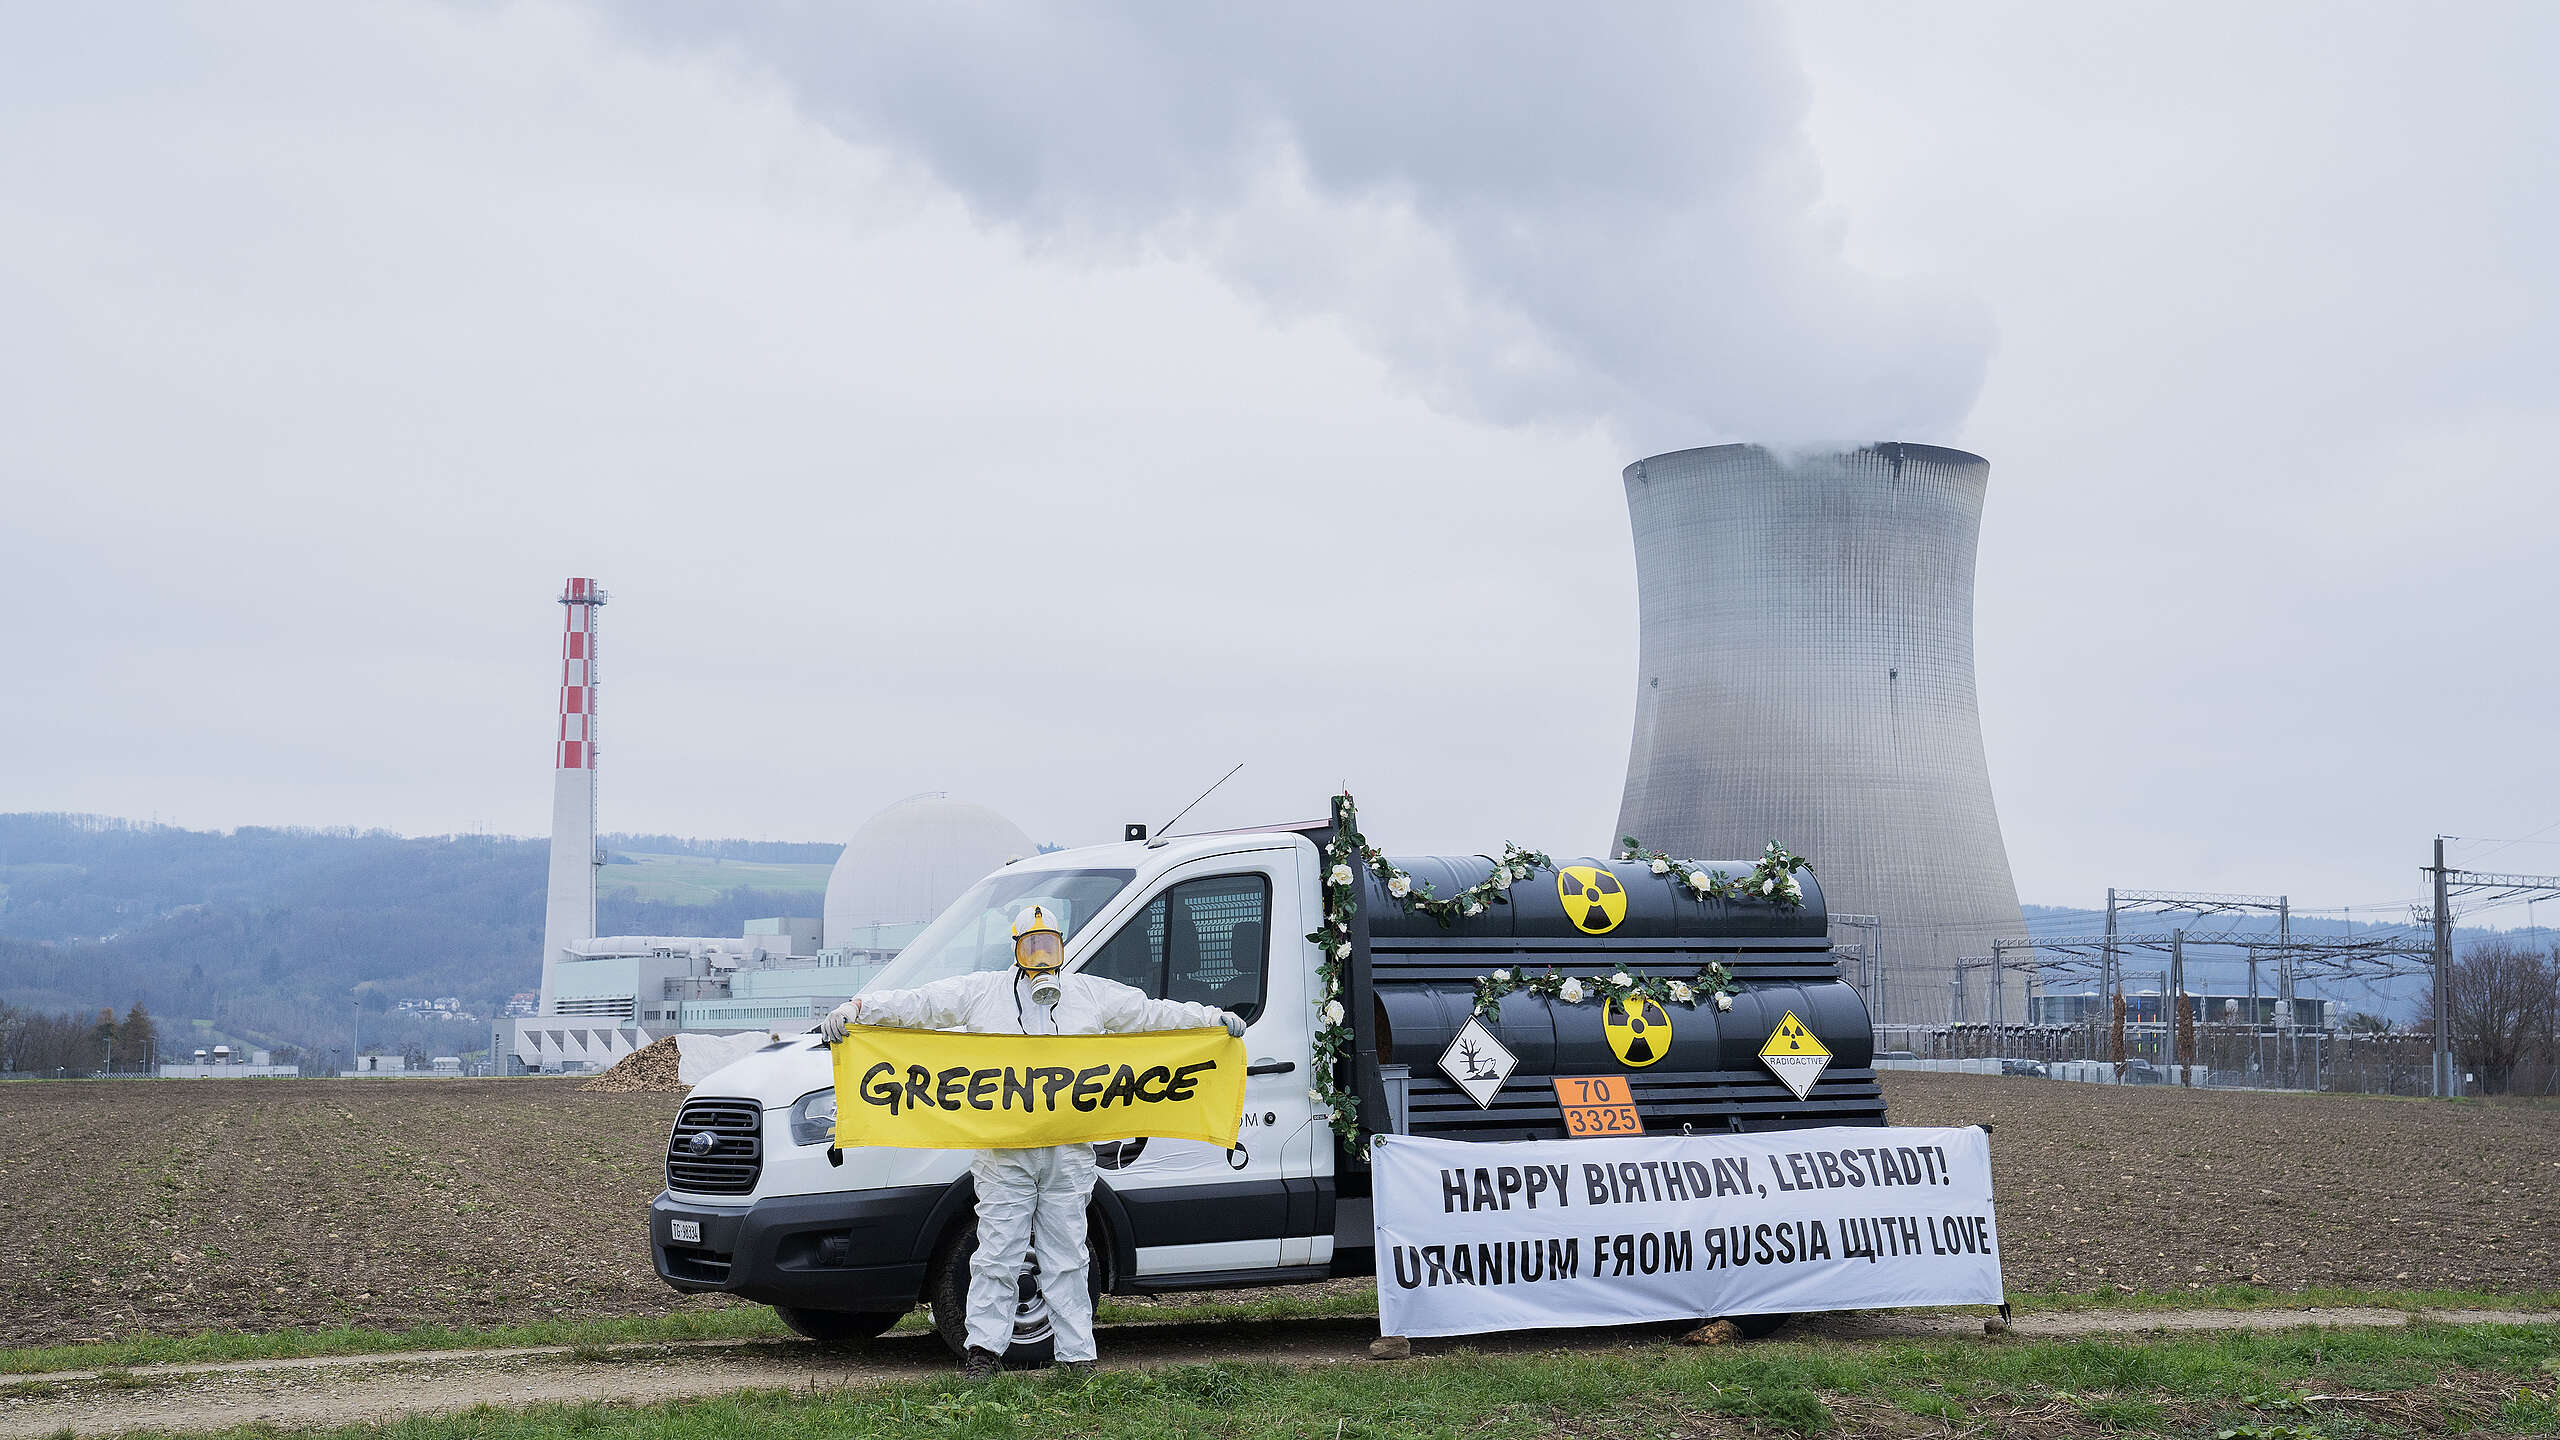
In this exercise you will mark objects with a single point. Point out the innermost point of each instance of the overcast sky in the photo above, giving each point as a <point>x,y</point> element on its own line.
<point>1058,407</point>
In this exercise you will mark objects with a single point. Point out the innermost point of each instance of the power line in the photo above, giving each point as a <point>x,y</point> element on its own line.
<point>2523,840</point>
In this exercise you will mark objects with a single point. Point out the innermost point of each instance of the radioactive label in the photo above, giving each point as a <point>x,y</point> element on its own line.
<point>1795,1056</point>
<point>1593,899</point>
<point>1639,1030</point>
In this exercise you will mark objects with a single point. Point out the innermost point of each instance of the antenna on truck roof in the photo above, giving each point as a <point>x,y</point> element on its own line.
<point>1195,803</point>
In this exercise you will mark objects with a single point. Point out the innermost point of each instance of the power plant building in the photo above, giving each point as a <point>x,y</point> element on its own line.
<point>603,997</point>
<point>1806,676</point>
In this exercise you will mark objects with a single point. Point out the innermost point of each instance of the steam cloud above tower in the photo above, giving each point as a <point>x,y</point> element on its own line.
<point>1532,214</point>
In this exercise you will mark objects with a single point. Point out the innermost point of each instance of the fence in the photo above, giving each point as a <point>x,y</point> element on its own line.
<point>2231,1056</point>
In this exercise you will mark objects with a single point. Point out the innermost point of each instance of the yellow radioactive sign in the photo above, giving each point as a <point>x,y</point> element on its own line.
<point>1792,1038</point>
<point>1593,898</point>
<point>1639,1029</point>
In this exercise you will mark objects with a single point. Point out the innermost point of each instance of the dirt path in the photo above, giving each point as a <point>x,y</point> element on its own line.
<point>343,1390</point>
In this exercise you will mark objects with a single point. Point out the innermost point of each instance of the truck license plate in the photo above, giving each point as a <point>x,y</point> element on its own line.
<point>687,1230</point>
<point>1597,1105</point>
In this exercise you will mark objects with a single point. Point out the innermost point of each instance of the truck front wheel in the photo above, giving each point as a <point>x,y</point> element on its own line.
<point>838,1327</point>
<point>947,1289</point>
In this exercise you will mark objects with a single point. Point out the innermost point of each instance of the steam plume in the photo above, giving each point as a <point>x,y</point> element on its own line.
<point>1534,213</point>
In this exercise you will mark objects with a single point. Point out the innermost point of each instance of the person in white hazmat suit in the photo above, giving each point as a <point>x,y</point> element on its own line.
<point>1029,1200</point>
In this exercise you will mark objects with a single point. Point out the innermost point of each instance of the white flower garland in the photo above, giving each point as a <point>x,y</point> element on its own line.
<point>1772,877</point>
<point>1713,985</point>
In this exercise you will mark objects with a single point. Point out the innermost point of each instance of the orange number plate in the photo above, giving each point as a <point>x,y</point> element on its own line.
<point>1598,1105</point>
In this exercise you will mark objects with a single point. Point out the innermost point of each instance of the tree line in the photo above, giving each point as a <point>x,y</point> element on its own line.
<point>2505,1014</point>
<point>70,1044</point>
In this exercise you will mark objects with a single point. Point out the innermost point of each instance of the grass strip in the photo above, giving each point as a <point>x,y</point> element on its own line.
<point>728,1322</point>
<point>2259,1297</point>
<point>2300,1385</point>
<point>755,1322</point>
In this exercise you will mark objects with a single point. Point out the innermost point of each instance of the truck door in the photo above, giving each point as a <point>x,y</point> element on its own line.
<point>1210,936</point>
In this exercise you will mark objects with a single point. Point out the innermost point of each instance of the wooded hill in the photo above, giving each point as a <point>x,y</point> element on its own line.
<point>274,936</point>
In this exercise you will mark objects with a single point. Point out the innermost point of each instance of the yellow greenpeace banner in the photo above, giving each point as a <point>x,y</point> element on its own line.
<point>937,1090</point>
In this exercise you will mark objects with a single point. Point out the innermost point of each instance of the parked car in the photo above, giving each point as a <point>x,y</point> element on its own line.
<point>2023,1067</point>
<point>2143,1072</point>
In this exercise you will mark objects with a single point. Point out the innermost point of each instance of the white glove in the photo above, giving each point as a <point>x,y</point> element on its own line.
<point>843,1018</point>
<point>1233,1022</point>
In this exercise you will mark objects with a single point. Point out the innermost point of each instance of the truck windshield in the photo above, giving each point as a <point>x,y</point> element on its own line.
<point>976,933</point>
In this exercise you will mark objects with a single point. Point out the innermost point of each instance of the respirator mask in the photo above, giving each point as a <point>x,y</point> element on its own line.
<point>1038,951</point>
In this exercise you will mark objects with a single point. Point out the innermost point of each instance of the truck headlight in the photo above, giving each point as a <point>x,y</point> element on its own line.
<point>813,1118</point>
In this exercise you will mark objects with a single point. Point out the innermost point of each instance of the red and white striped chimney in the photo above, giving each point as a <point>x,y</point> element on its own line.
<point>569,913</point>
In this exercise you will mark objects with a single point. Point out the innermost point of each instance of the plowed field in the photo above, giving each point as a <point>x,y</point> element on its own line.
<point>140,1207</point>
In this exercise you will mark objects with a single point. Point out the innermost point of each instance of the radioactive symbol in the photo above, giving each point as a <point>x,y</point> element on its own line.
<point>1640,1035</point>
<point>1795,1056</point>
<point>1593,899</point>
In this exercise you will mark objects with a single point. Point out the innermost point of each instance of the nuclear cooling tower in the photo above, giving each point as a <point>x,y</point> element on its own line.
<point>1807,677</point>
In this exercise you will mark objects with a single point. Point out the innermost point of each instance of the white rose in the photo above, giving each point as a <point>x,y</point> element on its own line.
<point>1768,885</point>
<point>1698,881</point>
<point>1333,1012</point>
<point>1519,872</point>
<point>1723,1001</point>
<point>1503,976</point>
<point>1341,875</point>
<point>1469,908</point>
<point>1400,887</point>
<point>1620,980</point>
<point>1571,993</point>
<point>1795,891</point>
<point>1681,992</point>
<point>1661,867</point>
<point>1341,952</point>
<point>1501,879</point>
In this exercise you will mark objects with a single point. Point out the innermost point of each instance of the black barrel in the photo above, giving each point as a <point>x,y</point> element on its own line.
<point>1705,1075</point>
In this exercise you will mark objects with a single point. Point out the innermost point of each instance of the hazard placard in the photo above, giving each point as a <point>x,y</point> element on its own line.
<point>1477,1063</point>
<point>1795,1056</point>
<point>1596,1105</point>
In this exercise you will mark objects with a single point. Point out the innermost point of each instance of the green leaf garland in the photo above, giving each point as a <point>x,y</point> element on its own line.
<point>1772,879</point>
<point>1713,984</point>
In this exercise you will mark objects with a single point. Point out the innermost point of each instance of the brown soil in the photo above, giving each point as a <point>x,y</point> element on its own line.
<point>650,1070</point>
<point>186,1205</point>
<point>253,1205</point>
<point>2159,1189</point>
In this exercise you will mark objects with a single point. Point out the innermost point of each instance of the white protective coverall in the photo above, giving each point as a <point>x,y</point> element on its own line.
<point>1036,1196</point>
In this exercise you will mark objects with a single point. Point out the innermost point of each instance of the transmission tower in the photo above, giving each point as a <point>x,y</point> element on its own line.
<point>2449,883</point>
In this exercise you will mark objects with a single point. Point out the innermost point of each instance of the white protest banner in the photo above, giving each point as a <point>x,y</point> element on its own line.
<point>1532,1234</point>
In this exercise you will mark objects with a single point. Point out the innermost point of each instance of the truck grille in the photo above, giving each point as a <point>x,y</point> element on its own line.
<point>735,1156</point>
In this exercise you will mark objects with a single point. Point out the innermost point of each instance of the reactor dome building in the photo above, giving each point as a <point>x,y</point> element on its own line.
<point>1806,676</point>
<point>908,862</point>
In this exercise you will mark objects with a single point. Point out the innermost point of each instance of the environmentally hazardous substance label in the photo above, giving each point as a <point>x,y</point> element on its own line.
<point>1794,1056</point>
<point>1478,1063</point>
<point>1639,1030</point>
<point>1593,899</point>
